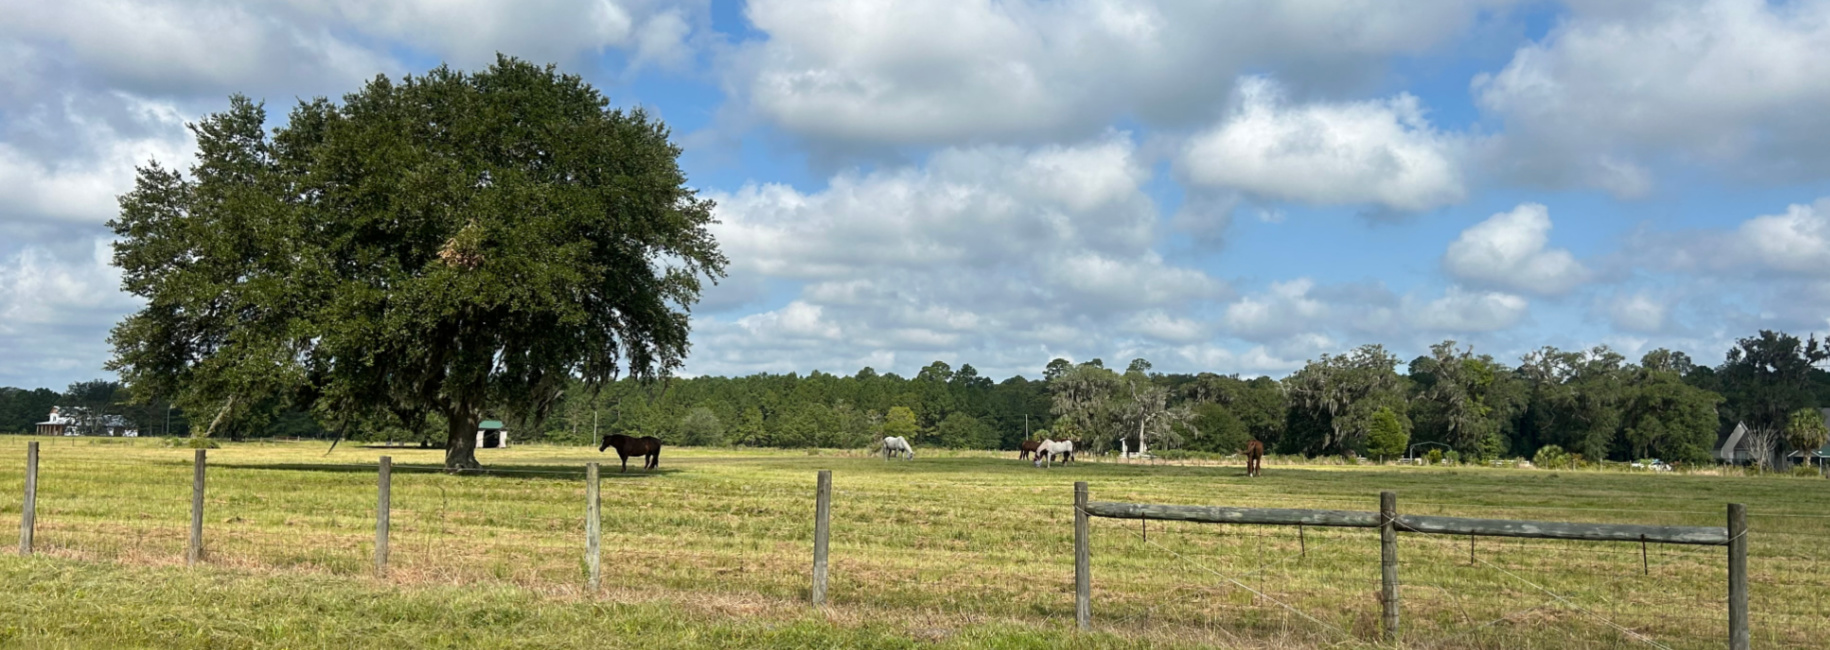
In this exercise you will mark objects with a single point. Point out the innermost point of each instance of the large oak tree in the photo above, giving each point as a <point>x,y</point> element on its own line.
<point>443,244</point>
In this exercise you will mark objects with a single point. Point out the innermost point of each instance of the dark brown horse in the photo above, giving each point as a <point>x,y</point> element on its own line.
<point>648,447</point>
<point>1027,447</point>
<point>1254,457</point>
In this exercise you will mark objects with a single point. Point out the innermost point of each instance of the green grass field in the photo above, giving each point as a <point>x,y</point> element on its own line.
<point>955,550</point>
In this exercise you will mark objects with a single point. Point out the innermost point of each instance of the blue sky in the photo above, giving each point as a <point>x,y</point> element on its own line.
<point>1220,186</point>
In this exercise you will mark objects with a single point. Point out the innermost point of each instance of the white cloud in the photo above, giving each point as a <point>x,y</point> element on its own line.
<point>1637,312</point>
<point>1301,318</point>
<point>893,73</point>
<point>1377,152</point>
<point>983,253</point>
<point>1285,309</point>
<point>164,47</point>
<point>1510,250</point>
<point>1460,310</point>
<point>84,189</point>
<point>1737,83</point>
<point>1163,326</point>
<point>55,313</point>
<point>1795,242</point>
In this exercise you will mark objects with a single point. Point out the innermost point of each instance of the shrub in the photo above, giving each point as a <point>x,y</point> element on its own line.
<point>1388,437</point>
<point>1435,456</point>
<point>1551,457</point>
<point>701,428</point>
<point>1453,457</point>
<point>1804,470</point>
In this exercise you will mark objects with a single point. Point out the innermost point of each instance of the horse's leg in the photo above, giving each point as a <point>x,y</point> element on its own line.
<point>619,452</point>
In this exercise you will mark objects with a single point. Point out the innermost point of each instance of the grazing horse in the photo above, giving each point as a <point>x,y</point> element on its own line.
<point>894,445</point>
<point>1027,447</point>
<point>1049,450</point>
<point>1254,457</point>
<point>648,447</point>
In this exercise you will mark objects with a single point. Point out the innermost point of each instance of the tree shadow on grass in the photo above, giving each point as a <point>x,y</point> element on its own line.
<point>574,472</point>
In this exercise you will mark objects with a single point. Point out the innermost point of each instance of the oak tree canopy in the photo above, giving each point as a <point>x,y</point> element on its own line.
<point>445,244</point>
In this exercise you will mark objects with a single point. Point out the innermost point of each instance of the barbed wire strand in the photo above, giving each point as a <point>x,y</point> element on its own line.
<point>1344,633</point>
<point>1623,629</point>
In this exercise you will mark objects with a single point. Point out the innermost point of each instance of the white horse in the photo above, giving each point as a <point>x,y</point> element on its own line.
<point>893,445</point>
<point>1049,450</point>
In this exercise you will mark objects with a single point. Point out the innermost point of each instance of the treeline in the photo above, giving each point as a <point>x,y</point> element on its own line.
<point>1595,403</point>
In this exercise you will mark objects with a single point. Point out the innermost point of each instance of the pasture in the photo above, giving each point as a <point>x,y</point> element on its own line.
<point>954,549</point>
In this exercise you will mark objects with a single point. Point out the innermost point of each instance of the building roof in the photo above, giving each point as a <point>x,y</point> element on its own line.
<point>489,424</point>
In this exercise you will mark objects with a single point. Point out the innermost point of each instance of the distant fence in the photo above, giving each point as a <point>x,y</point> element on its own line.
<point>1390,523</point>
<point>195,547</point>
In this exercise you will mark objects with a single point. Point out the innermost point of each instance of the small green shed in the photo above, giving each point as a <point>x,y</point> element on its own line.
<point>491,434</point>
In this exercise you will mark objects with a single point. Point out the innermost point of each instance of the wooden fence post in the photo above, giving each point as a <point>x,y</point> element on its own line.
<point>28,512</point>
<point>194,551</point>
<point>822,531</point>
<point>1083,559</point>
<point>593,528</point>
<point>383,509</point>
<point>1738,635</point>
<point>1388,562</point>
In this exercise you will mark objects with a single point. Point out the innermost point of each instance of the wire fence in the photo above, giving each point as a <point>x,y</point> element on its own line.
<point>941,547</point>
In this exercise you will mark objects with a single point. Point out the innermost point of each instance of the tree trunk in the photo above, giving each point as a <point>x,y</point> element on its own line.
<point>461,441</point>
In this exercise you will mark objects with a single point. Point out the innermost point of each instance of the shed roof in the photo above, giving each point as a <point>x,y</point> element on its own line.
<point>489,424</point>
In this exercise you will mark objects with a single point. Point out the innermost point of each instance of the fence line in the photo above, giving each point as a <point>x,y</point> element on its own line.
<point>228,544</point>
<point>1389,521</point>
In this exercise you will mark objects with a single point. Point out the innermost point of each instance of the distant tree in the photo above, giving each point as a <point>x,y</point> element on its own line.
<point>1341,393</point>
<point>1805,431</point>
<point>701,428</point>
<point>1665,417</point>
<point>749,429</point>
<point>961,431</point>
<point>1663,360</point>
<point>1462,399</point>
<point>1578,400</point>
<point>1083,404</point>
<point>1216,429</point>
<point>21,410</point>
<point>1386,436</point>
<point>900,422</point>
<point>1056,368</point>
<point>1149,414</point>
<point>452,243</point>
<point>1138,365</point>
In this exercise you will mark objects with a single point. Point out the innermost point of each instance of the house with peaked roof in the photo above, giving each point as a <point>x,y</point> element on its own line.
<point>77,421</point>
<point>59,424</point>
<point>1736,448</point>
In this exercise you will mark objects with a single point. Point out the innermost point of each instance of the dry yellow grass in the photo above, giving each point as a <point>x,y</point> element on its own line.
<point>957,541</point>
